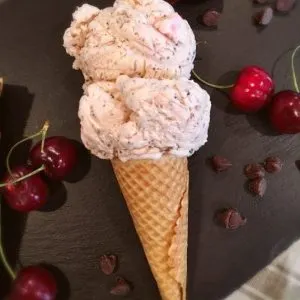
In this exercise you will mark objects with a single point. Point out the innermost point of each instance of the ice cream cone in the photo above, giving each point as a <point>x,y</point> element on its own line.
<point>156,193</point>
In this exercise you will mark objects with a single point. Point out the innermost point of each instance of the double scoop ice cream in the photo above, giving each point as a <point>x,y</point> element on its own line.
<point>140,110</point>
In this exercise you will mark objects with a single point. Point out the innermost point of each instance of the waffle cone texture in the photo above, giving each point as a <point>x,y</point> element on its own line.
<point>156,193</point>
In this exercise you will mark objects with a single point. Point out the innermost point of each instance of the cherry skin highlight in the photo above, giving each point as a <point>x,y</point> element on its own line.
<point>285,112</point>
<point>34,283</point>
<point>253,89</point>
<point>27,195</point>
<point>59,157</point>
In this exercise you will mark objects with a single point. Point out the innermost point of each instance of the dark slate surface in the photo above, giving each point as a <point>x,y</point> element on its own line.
<point>92,218</point>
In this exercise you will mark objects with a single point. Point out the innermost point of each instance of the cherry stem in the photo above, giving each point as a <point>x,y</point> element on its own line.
<point>40,169</point>
<point>216,86</point>
<point>293,69</point>
<point>3,258</point>
<point>42,132</point>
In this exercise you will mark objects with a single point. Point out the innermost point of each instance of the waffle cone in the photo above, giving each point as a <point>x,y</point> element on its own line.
<point>156,193</point>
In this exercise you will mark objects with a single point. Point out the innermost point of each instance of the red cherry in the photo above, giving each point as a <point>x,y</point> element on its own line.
<point>26,195</point>
<point>252,90</point>
<point>59,156</point>
<point>34,283</point>
<point>285,112</point>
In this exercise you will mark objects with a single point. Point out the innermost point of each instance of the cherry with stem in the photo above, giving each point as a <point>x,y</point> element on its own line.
<point>43,133</point>
<point>23,189</point>
<point>252,90</point>
<point>33,282</point>
<point>285,108</point>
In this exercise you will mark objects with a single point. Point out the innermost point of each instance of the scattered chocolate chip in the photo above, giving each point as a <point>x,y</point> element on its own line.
<point>121,288</point>
<point>264,17</point>
<point>257,186</point>
<point>108,263</point>
<point>273,164</point>
<point>230,218</point>
<point>220,163</point>
<point>285,5</point>
<point>253,171</point>
<point>211,18</point>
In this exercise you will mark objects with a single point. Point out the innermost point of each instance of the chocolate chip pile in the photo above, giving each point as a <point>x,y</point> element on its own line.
<point>255,172</point>
<point>210,18</point>
<point>230,218</point>
<point>109,265</point>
